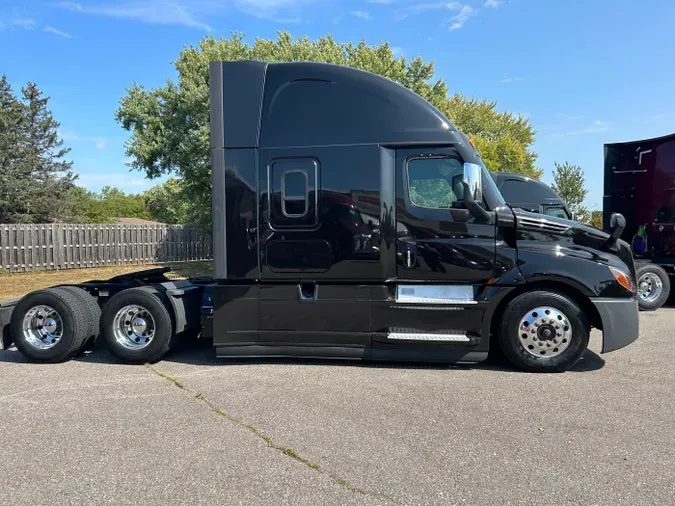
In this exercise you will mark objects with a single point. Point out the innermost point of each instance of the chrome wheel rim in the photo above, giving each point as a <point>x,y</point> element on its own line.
<point>649,287</point>
<point>134,327</point>
<point>545,332</point>
<point>42,327</point>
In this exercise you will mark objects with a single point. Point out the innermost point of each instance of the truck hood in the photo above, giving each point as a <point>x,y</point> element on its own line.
<point>573,236</point>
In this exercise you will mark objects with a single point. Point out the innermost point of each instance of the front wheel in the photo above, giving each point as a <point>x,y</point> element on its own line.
<point>136,325</point>
<point>543,331</point>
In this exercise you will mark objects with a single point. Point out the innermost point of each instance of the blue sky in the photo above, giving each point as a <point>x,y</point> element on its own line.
<point>584,72</point>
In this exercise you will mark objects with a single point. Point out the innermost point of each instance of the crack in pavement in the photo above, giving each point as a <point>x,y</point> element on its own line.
<point>290,452</point>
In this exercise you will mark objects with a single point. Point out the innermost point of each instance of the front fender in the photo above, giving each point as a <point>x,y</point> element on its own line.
<point>585,270</point>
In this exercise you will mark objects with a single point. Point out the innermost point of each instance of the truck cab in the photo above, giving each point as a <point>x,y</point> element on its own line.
<point>530,194</point>
<point>301,152</point>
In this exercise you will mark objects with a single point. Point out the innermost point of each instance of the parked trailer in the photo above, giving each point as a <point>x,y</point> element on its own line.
<point>640,184</point>
<point>351,219</point>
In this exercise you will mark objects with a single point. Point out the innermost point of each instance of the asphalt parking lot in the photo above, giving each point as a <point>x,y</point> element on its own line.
<point>196,430</point>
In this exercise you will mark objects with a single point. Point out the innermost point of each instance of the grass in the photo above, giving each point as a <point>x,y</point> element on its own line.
<point>18,284</point>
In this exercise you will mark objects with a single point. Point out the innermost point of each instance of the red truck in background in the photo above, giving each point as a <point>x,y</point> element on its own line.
<point>639,182</point>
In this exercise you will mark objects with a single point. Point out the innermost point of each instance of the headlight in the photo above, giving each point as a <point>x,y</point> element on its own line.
<point>624,278</point>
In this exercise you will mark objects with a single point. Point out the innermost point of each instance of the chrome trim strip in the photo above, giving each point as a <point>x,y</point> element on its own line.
<point>413,336</point>
<point>542,224</point>
<point>435,294</point>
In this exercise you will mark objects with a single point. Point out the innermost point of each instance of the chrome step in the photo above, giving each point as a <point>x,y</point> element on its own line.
<point>419,336</point>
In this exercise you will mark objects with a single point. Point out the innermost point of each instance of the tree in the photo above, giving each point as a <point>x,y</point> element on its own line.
<point>169,125</point>
<point>569,184</point>
<point>85,206</point>
<point>34,177</point>
<point>596,219</point>
<point>167,203</point>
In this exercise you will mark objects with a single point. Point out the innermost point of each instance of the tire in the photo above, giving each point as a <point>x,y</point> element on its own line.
<point>72,322</point>
<point>94,312</point>
<point>656,286</point>
<point>543,331</point>
<point>121,335</point>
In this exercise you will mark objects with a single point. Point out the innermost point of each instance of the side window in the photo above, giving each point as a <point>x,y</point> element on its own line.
<point>293,192</point>
<point>435,183</point>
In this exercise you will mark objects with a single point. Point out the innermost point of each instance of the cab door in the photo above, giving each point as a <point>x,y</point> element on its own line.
<point>443,261</point>
<point>437,239</point>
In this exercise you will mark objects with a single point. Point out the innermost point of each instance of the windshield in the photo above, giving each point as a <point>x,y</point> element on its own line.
<point>489,185</point>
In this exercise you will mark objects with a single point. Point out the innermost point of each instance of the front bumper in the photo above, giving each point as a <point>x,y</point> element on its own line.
<point>620,322</point>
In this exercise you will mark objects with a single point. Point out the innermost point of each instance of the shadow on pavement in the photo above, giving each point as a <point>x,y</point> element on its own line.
<point>200,352</point>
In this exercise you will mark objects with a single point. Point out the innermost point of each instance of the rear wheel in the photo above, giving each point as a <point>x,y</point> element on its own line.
<point>543,331</point>
<point>93,311</point>
<point>137,326</point>
<point>49,325</point>
<point>653,286</point>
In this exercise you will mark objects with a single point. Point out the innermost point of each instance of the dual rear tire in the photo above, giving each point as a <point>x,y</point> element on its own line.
<point>136,325</point>
<point>55,324</point>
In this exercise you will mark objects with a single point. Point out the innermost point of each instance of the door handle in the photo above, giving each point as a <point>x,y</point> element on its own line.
<point>410,257</point>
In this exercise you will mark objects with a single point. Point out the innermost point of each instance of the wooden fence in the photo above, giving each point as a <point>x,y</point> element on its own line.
<point>27,247</point>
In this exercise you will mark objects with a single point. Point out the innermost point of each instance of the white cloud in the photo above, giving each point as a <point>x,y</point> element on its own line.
<point>597,127</point>
<point>58,32</point>
<point>155,12</point>
<point>361,14</point>
<point>459,20</point>
<point>414,10</point>
<point>397,50</point>
<point>99,142</point>
<point>188,13</point>
<point>512,79</point>
<point>657,117</point>
<point>493,3</point>
<point>17,22</point>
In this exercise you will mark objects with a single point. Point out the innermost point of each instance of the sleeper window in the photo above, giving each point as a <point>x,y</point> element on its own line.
<point>293,193</point>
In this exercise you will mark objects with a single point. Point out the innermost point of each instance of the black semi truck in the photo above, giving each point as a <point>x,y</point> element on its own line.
<point>351,219</point>
<point>530,194</point>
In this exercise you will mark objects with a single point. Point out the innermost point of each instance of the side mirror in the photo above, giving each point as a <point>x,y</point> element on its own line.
<point>617,224</point>
<point>473,177</point>
<point>473,192</point>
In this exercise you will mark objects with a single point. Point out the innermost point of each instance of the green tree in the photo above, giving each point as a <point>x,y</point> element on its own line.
<point>167,203</point>
<point>169,125</point>
<point>85,206</point>
<point>596,219</point>
<point>569,183</point>
<point>34,177</point>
